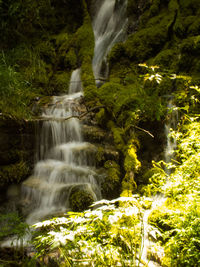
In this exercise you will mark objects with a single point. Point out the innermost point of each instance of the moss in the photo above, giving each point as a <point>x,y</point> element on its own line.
<point>166,58</point>
<point>146,42</point>
<point>111,185</point>
<point>60,82</point>
<point>118,135</point>
<point>80,200</point>
<point>101,117</point>
<point>173,5</point>
<point>118,98</point>
<point>83,41</point>
<point>100,154</point>
<point>190,53</point>
<point>131,166</point>
<point>131,162</point>
<point>118,51</point>
<point>160,219</point>
<point>62,40</point>
<point>46,51</point>
<point>189,7</point>
<point>70,59</point>
<point>188,45</point>
<point>194,28</point>
<point>90,89</point>
<point>128,184</point>
<point>155,6</point>
<point>13,173</point>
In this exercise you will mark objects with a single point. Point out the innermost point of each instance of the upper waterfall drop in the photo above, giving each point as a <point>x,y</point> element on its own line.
<point>109,26</point>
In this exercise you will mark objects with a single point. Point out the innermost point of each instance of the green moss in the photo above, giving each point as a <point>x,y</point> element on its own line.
<point>83,42</point>
<point>118,135</point>
<point>194,28</point>
<point>60,82</point>
<point>146,42</point>
<point>80,200</point>
<point>131,166</point>
<point>155,6</point>
<point>189,7</point>
<point>111,185</point>
<point>128,184</point>
<point>173,5</point>
<point>155,179</point>
<point>100,154</point>
<point>62,40</point>
<point>131,162</point>
<point>46,51</point>
<point>13,173</point>
<point>70,59</point>
<point>166,58</point>
<point>101,117</point>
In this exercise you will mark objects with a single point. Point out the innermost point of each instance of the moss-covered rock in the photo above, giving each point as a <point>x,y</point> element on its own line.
<point>13,173</point>
<point>110,187</point>
<point>80,200</point>
<point>70,59</point>
<point>60,82</point>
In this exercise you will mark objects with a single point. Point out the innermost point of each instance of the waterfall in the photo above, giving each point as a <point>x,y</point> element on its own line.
<point>63,165</point>
<point>171,124</point>
<point>109,25</point>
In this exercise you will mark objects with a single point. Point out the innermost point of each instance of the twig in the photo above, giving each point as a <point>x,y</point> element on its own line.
<point>141,129</point>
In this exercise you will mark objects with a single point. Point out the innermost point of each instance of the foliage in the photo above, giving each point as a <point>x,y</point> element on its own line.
<point>108,235</point>
<point>178,218</point>
<point>12,225</point>
<point>15,92</point>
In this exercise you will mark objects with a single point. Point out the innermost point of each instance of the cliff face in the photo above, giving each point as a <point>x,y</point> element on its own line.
<point>43,42</point>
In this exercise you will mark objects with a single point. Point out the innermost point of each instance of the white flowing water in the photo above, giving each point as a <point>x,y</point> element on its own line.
<point>170,125</point>
<point>63,165</point>
<point>109,26</point>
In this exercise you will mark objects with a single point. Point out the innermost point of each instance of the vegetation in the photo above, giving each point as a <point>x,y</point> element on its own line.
<point>104,236</point>
<point>42,43</point>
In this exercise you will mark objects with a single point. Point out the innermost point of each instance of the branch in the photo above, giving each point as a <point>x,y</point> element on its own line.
<point>74,116</point>
<point>141,129</point>
<point>85,113</point>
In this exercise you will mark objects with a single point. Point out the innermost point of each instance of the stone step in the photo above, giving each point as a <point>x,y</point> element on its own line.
<point>95,134</point>
<point>43,186</point>
<point>61,166</point>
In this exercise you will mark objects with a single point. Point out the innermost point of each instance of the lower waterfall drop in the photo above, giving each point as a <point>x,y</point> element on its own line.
<point>171,124</point>
<point>63,166</point>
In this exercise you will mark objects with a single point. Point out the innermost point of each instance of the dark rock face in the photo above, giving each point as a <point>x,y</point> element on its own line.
<point>17,142</point>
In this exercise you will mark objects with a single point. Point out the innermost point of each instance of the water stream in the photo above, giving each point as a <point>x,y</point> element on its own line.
<point>109,26</point>
<point>63,164</point>
<point>170,124</point>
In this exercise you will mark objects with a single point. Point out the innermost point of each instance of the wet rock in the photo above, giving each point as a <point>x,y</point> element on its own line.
<point>80,200</point>
<point>95,134</point>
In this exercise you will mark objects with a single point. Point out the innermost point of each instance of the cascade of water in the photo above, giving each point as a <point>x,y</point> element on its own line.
<point>170,125</point>
<point>63,165</point>
<point>62,161</point>
<point>109,26</point>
